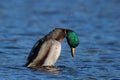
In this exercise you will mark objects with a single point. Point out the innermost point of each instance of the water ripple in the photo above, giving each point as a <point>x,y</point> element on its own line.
<point>96,22</point>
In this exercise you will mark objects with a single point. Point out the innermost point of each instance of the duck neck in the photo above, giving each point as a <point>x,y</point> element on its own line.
<point>60,37</point>
<point>57,34</point>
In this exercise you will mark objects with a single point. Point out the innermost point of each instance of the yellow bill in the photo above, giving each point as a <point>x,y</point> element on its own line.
<point>72,51</point>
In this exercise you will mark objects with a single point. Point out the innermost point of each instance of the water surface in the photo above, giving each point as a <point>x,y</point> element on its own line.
<point>97,23</point>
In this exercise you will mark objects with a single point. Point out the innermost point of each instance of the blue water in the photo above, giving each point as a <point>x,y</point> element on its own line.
<point>97,23</point>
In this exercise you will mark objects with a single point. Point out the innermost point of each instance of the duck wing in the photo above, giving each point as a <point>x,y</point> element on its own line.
<point>34,51</point>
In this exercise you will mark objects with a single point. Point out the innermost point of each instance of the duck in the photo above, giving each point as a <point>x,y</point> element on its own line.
<point>46,50</point>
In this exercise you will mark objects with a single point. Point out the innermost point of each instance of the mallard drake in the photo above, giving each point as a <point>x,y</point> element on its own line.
<point>47,50</point>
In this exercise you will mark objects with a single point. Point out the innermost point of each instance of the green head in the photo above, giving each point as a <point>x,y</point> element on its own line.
<point>72,40</point>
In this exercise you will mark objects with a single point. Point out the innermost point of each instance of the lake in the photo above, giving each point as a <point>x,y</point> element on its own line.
<point>97,23</point>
